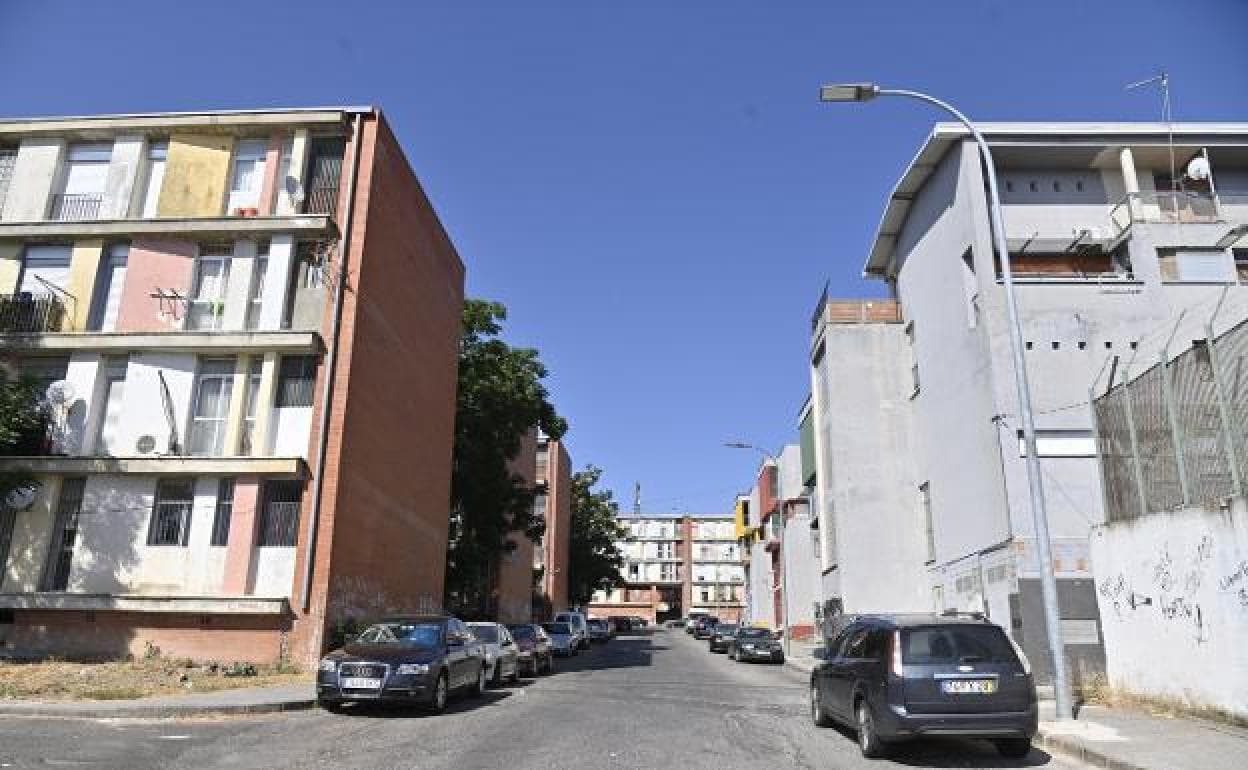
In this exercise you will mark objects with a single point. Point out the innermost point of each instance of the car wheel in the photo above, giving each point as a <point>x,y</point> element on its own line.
<point>732,654</point>
<point>437,702</point>
<point>332,706</point>
<point>478,688</point>
<point>1014,748</point>
<point>817,714</point>
<point>550,664</point>
<point>868,741</point>
<point>515,672</point>
<point>496,677</point>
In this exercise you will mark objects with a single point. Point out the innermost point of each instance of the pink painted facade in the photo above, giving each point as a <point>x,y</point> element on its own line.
<point>272,164</point>
<point>240,551</point>
<point>155,265</point>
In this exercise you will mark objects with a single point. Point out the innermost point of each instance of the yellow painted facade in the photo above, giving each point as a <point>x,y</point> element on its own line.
<point>84,266</point>
<point>197,171</point>
<point>10,267</point>
<point>739,519</point>
<point>238,407</point>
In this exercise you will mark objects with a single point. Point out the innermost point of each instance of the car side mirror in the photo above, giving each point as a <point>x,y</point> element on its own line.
<point>820,653</point>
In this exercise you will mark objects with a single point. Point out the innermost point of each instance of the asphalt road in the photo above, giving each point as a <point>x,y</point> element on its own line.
<point>656,700</point>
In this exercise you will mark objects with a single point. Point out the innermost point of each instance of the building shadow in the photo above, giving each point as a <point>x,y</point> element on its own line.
<point>947,752</point>
<point>458,704</point>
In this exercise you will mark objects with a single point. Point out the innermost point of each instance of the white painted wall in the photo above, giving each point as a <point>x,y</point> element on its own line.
<point>292,428</point>
<point>35,173</point>
<point>32,534</point>
<point>275,572</point>
<point>1173,596</point>
<point>142,405</point>
<point>76,418</point>
<point>123,170</point>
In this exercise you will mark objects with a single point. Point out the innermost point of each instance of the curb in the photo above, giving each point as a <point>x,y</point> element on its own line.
<point>154,712</point>
<point>1077,749</point>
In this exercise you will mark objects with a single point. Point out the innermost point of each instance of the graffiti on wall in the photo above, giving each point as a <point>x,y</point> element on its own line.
<point>1171,588</point>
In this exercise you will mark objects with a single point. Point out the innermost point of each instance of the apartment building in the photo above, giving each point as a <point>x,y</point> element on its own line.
<point>554,505</point>
<point>675,564</point>
<point>1122,243</point>
<point>246,325</point>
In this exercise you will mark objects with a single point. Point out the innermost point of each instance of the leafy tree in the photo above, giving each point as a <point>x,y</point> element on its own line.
<point>23,423</point>
<point>595,559</point>
<point>501,398</point>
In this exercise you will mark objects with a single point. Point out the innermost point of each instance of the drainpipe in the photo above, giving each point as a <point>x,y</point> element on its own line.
<point>331,361</point>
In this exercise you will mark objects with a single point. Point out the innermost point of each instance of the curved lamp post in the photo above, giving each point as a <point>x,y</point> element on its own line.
<point>863,92</point>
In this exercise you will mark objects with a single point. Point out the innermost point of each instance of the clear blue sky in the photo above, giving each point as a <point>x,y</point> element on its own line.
<point>651,187</point>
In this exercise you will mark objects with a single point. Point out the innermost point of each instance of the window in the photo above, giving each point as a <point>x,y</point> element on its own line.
<point>634,571</point>
<point>1241,264</point>
<point>107,428</point>
<point>64,535</point>
<point>171,512</point>
<point>279,518</point>
<point>250,441</point>
<point>255,296</point>
<point>296,380</point>
<point>154,177</point>
<point>82,186</point>
<point>856,644</point>
<point>45,270</point>
<point>669,573</point>
<point>212,273</point>
<point>1060,443</point>
<point>667,550</point>
<point>1198,265</point>
<point>211,406</point>
<point>925,505</point>
<point>106,300</point>
<point>224,509</point>
<point>247,178</point>
<point>8,158</point>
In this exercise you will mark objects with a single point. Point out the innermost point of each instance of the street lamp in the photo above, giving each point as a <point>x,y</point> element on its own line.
<point>863,92</point>
<point>784,552</point>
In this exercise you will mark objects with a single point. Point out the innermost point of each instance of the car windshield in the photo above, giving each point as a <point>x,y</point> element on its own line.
<point>956,644</point>
<point>754,633</point>
<point>522,632</point>
<point>724,628</point>
<point>399,632</point>
<point>598,623</point>
<point>557,628</point>
<point>485,632</point>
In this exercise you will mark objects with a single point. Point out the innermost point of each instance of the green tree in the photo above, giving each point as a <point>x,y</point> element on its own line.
<point>501,398</point>
<point>22,426</point>
<point>595,559</point>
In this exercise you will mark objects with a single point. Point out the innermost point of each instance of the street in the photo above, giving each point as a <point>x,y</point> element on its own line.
<point>647,700</point>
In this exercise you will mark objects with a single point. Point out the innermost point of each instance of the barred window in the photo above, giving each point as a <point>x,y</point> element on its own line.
<point>279,518</point>
<point>225,508</point>
<point>171,512</point>
<point>296,380</point>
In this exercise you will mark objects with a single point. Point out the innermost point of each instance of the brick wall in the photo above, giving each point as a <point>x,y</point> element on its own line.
<point>515,570</point>
<point>385,513</point>
<point>558,524</point>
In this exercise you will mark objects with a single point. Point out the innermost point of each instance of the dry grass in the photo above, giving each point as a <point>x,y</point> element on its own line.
<point>1097,690</point>
<point>121,680</point>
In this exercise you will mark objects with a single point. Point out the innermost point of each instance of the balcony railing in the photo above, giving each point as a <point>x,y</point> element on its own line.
<point>26,312</point>
<point>73,207</point>
<point>1163,207</point>
<point>322,200</point>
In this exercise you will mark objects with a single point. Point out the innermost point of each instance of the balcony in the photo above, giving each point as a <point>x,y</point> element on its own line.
<point>322,200</point>
<point>76,207</point>
<point>1182,207</point>
<point>31,313</point>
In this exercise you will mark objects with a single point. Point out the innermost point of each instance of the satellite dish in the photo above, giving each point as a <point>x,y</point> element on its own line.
<point>60,393</point>
<point>21,499</point>
<point>145,444</point>
<point>1198,168</point>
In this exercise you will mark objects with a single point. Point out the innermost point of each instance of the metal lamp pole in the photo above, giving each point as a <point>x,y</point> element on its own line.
<point>784,552</point>
<point>862,92</point>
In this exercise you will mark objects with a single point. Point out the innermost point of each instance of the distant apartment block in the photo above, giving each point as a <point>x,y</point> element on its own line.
<point>1122,256</point>
<point>554,505</point>
<point>676,564</point>
<point>246,326</point>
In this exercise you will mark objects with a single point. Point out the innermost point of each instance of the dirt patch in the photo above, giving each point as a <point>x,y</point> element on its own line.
<point>124,680</point>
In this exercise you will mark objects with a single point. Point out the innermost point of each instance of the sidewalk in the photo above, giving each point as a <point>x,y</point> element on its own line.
<point>1121,739</point>
<point>247,700</point>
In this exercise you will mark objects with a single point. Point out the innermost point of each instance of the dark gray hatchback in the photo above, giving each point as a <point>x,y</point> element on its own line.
<point>898,677</point>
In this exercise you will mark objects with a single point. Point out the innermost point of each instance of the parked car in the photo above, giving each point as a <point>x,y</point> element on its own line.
<point>677,623</point>
<point>704,627</point>
<point>755,644</point>
<point>502,657</point>
<point>720,637</point>
<point>691,621</point>
<point>535,651</point>
<point>619,624</point>
<point>635,623</point>
<point>599,631</point>
<point>562,640</point>
<point>418,659</point>
<point>580,627</point>
<point>904,676</point>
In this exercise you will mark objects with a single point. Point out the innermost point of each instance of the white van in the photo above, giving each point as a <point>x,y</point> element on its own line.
<point>580,629</point>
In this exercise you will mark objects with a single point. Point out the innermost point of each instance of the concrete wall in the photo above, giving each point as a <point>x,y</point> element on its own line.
<point>197,171</point>
<point>35,175</point>
<point>1173,594</point>
<point>798,548</point>
<point>155,265</point>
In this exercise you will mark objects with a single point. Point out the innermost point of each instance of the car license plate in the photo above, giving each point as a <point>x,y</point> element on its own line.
<point>969,686</point>
<point>360,683</point>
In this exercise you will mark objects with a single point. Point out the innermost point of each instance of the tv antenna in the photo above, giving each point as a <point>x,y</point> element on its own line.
<point>1162,81</point>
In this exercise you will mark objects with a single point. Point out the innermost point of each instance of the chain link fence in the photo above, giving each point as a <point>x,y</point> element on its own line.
<point>1177,433</point>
